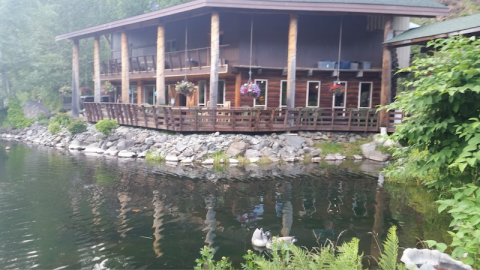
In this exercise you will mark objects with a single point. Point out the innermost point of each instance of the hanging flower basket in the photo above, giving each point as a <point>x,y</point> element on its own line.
<point>107,87</point>
<point>250,90</point>
<point>185,87</point>
<point>337,89</point>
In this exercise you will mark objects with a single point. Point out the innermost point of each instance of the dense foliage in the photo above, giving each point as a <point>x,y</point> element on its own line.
<point>285,256</point>
<point>77,126</point>
<point>15,117</point>
<point>443,136</point>
<point>32,64</point>
<point>54,128</point>
<point>444,109</point>
<point>106,126</point>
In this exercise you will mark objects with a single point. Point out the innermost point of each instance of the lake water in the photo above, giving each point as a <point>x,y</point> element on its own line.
<point>64,210</point>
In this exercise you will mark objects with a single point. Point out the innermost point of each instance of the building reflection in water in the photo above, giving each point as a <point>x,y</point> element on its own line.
<point>210,220</point>
<point>158,207</point>
<point>122,221</point>
<point>284,207</point>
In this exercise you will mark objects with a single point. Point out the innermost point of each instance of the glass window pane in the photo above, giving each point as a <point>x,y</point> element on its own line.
<point>340,98</point>
<point>261,101</point>
<point>313,94</point>
<point>201,93</point>
<point>284,93</point>
<point>166,95</point>
<point>221,92</point>
<point>365,93</point>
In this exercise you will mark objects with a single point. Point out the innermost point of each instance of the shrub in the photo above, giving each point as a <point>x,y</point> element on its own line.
<point>61,118</point>
<point>77,126</point>
<point>15,117</point>
<point>54,128</point>
<point>106,126</point>
<point>3,116</point>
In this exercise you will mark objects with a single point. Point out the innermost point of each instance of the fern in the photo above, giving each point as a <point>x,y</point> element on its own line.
<point>300,258</point>
<point>388,259</point>
<point>348,257</point>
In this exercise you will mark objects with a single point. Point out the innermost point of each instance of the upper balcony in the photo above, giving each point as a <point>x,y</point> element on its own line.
<point>191,62</point>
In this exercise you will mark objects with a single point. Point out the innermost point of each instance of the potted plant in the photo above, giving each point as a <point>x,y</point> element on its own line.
<point>250,90</point>
<point>337,89</point>
<point>107,87</point>
<point>65,91</point>
<point>185,87</point>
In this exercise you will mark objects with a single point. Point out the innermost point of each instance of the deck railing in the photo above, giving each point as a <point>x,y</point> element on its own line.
<point>193,119</point>
<point>193,58</point>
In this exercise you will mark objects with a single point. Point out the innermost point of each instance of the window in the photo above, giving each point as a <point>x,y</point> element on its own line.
<point>171,45</point>
<point>313,94</point>
<point>262,100</point>
<point>202,91</point>
<point>365,95</point>
<point>149,91</point>
<point>221,93</point>
<point>340,99</point>
<point>133,94</point>
<point>283,94</point>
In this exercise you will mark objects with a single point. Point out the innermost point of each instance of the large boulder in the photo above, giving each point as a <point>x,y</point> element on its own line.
<point>294,140</point>
<point>237,149</point>
<point>33,110</point>
<point>369,151</point>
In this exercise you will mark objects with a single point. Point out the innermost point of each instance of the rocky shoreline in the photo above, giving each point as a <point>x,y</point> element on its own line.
<point>205,149</point>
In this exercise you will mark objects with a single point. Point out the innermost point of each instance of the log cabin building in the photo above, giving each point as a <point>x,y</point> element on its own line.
<point>295,50</point>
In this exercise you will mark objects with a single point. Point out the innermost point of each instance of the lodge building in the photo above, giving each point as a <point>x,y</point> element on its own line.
<point>295,50</point>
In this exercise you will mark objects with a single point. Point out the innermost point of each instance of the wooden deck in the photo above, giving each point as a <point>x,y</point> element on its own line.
<point>200,119</point>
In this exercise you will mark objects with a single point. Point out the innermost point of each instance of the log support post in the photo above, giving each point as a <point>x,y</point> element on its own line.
<point>292,63</point>
<point>140,92</point>
<point>96,68</point>
<point>161,66</point>
<point>75,78</point>
<point>386,74</point>
<point>238,84</point>
<point>215,58</point>
<point>125,68</point>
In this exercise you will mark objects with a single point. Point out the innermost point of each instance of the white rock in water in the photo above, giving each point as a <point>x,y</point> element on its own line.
<point>187,161</point>
<point>316,160</point>
<point>254,159</point>
<point>233,161</point>
<point>126,154</point>
<point>209,161</point>
<point>171,158</point>
<point>7,148</point>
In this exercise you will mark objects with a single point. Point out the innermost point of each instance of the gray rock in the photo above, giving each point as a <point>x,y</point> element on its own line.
<point>369,152</point>
<point>357,157</point>
<point>126,154</point>
<point>330,157</point>
<point>149,141</point>
<point>266,152</point>
<point>75,145</point>
<point>161,139</point>
<point>254,159</point>
<point>233,161</point>
<point>171,158</point>
<point>188,153</point>
<point>237,149</point>
<point>352,140</point>
<point>125,144</point>
<point>112,151</point>
<point>29,133</point>
<point>209,161</point>
<point>112,138</point>
<point>316,152</point>
<point>294,141</point>
<point>187,161</point>
<point>33,110</point>
<point>316,160</point>
<point>250,153</point>
<point>141,138</point>
<point>142,154</point>
<point>180,147</point>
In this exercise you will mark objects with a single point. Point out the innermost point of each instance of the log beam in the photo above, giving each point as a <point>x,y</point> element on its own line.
<point>238,84</point>
<point>386,74</point>
<point>292,60</point>
<point>125,68</point>
<point>96,69</point>
<point>75,78</point>
<point>215,55</point>
<point>161,66</point>
<point>140,91</point>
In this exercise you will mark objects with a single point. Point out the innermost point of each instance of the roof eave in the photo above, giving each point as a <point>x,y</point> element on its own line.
<point>246,4</point>
<point>413,41</point>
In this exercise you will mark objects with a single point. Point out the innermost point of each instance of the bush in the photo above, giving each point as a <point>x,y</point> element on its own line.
<point>61,118</point>
<point>15,117</point>
<point>106,126</point>
<point>3,116</point>
<point>77,126</point>
<point>54,128</point>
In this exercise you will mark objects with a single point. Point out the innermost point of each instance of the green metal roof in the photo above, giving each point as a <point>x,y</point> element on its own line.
<point>446,27</point>
<point>410,3</point>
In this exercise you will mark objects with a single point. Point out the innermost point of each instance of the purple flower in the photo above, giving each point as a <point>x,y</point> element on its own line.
<point>250,90</point>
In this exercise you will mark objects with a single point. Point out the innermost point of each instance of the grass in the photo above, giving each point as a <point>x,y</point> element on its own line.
<point>265,161</point>
<point>243,161</point>
<point>384,149</point>
<point>220,157</point>
<point>346,149</point>
<point>154,157</point>
<point>307,158</point>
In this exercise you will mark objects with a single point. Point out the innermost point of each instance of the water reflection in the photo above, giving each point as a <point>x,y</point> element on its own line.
<point>75,211</point>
